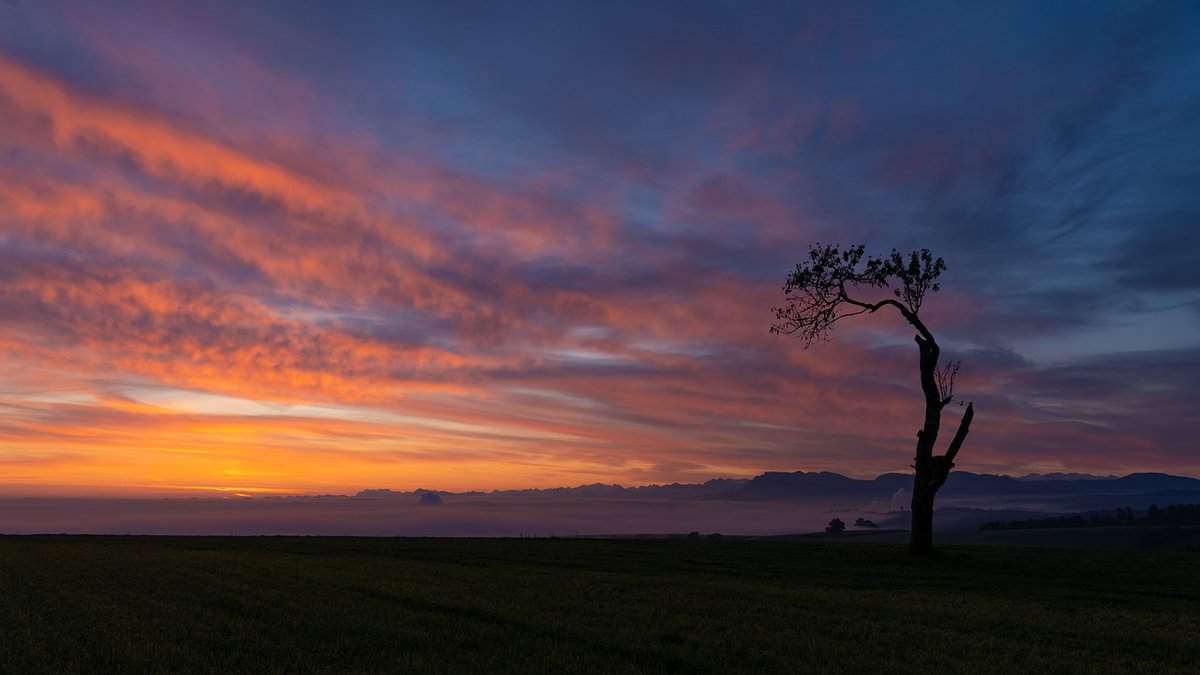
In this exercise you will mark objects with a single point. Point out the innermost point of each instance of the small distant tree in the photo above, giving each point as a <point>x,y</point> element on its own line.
<point>835,526</point>
<point>830,287</point>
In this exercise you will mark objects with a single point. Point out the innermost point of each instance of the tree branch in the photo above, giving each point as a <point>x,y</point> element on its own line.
<point>945,382</point>
<point>908,315</point>
<point>961,435</point>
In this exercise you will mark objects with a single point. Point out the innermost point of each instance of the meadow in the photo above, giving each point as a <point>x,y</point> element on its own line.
<point>78,604</point>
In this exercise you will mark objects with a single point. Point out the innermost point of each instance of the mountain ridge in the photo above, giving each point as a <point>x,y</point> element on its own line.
<point>801,485</point>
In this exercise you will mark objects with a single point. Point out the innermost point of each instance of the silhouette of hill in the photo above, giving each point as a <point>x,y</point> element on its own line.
<point>826,485</point>
<point>1064,476</point>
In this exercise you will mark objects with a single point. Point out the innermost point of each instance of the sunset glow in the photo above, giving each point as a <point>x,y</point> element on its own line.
<point>256,252</point>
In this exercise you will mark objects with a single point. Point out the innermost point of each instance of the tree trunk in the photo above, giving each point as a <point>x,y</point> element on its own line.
<point>921,538</point>
<point>930,472</point>
<point>925,479</point>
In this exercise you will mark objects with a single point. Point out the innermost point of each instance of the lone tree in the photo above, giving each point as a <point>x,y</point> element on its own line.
<point>829,287</point>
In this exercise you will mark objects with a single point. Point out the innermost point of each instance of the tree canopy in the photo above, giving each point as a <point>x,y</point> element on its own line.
<point>818,293</point>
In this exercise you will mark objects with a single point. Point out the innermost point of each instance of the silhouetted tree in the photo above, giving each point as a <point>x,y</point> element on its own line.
<point>835,526</point>
<point>827,288</point>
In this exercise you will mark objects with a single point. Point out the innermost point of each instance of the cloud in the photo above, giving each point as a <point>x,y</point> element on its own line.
<point>493,262</point>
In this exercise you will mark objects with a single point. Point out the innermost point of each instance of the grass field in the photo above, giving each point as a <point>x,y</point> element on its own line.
<point>288,605</point>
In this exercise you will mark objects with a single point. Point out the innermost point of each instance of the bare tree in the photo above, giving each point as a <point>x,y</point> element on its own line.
<point>826,289</point>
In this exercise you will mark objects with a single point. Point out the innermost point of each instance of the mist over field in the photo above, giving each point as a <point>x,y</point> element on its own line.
<point>468,517</point>
<point>770,504</point>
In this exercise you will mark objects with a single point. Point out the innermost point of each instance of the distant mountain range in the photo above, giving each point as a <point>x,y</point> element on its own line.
<point>800,486</point>
<point>1064,476</point>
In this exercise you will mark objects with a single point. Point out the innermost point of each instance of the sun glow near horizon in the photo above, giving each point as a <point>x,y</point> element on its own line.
<point>229,268</point>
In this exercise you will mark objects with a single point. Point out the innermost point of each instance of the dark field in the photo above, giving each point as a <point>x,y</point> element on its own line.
<point>274,605</point>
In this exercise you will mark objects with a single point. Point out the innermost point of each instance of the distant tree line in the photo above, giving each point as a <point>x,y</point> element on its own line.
<point>1175,514</point>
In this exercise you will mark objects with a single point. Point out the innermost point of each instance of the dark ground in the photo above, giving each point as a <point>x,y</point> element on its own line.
<point>297,605</point>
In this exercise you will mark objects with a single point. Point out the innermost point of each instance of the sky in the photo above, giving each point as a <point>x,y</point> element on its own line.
<point>301,247</point>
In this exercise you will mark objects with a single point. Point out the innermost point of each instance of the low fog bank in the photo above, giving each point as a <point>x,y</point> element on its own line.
<point>772,503</point>
<point>488,516</point>
<point>454,517</point>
